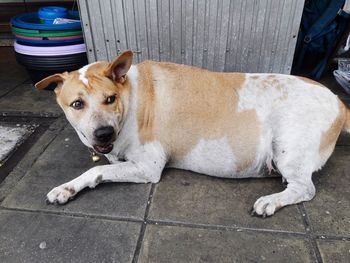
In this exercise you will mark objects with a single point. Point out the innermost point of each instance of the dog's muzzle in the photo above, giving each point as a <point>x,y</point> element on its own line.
<point>104,136</point>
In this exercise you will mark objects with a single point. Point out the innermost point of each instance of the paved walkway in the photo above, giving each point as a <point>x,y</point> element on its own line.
<point>185,218</point>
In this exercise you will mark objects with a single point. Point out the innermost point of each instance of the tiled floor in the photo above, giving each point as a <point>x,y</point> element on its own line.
<point>185,218</point>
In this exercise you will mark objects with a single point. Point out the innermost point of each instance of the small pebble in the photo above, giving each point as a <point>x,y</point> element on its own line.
<point>42,245</point>
<point>327,212</point>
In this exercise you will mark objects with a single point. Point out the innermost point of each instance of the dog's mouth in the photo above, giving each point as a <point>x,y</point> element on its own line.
<point>105,148</point>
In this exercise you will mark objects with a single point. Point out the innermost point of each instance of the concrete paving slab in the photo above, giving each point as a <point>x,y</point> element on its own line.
<point>182,244</point>
<point>10,85</point>
<point>182,196</point>
<point>65,159</point>
<point>24,165</point>
<point>5,88</point>
<point>25,99</point>
<point>11,73</point>
<point>29,237</point>
<point>11,136</point>
<point>329,211</point>
<point>334,251</point>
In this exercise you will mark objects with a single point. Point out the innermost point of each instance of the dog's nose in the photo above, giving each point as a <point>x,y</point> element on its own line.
<point>104,134</point>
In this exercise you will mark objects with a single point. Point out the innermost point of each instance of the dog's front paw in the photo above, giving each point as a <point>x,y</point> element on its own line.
<point>60,194</point>
<point>266,206</point>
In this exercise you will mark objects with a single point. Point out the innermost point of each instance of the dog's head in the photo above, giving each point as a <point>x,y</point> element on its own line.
<point>95,99</point>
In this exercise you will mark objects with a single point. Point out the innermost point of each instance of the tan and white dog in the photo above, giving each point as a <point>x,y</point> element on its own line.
<point>155,115</point>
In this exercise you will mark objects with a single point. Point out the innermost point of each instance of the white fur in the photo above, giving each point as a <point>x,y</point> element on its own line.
<point>82,73</point>
<point>212,157</point>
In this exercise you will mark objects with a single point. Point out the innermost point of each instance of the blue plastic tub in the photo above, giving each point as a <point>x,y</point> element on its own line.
<point>32,21</point>
<point>48,14</point>
<point>44,42</point>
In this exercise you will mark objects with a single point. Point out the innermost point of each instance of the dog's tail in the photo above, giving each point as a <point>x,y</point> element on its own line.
<point>346,126</point>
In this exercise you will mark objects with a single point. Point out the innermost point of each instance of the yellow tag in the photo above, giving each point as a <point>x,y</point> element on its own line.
<point>95,158</point>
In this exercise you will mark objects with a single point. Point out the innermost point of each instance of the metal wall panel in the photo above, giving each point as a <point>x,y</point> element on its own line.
<point>221,35</point>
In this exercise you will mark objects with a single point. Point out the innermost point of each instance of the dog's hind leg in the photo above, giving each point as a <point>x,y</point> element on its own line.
<point>296,162</point>
<point>300,188</point>
<point>304,137</point>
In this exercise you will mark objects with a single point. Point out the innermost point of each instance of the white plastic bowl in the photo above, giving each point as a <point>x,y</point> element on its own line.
<point>49,51</point>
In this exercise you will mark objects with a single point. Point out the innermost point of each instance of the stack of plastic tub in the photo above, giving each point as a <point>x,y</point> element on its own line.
<point>49,41</point>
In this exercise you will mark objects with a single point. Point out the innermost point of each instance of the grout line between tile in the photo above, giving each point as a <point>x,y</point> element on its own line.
<point>143,227</point>
<point>227,228</point>
<point>309,233</point>
<point>75,215</point>
<point>331,238</point>
<point>154,222</point>
<point>29,114</point>
<point>146,222</point>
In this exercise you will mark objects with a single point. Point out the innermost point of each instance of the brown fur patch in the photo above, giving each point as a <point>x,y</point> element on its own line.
<point>347,120</point>
<point>145,103</point>
<point>273,81</point>
<point>310,81</point>
<point>72,89</point>
<point>178,105</point>
<point>329,138</point>
<point>96,69</point>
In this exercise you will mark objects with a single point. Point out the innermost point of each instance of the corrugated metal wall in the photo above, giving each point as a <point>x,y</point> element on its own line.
<point>223,35</point>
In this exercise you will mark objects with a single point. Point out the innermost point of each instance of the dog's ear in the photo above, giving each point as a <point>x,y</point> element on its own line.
<point>56,78</point>
<point>118,68</point>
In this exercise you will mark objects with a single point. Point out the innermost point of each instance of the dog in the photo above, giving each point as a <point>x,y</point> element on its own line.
<point>153,115</point>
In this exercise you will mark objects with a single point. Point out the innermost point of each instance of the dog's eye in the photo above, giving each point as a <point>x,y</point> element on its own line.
<point>110,99</point>
<point>78,104</point>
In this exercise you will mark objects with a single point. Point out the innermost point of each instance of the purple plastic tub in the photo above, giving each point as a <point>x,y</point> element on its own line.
<point>49,51</point>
